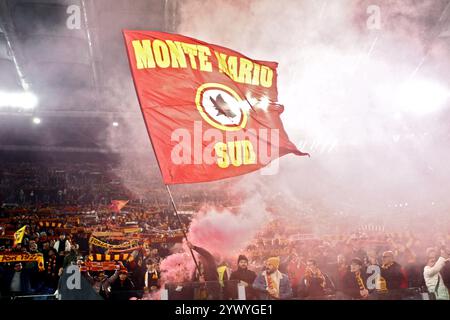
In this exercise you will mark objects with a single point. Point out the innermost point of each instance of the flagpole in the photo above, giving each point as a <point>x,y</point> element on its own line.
<point>182,227</point>
<point>156,156</point>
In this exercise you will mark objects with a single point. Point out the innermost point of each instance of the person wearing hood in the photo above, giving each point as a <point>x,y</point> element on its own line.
<point>206,274</point>
<point>245,277</point>
<point>207,260</point>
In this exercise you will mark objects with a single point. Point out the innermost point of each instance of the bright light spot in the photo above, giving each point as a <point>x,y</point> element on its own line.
<point>115,124</point>
<point>248,103</point>
<point>397,116</point>
<point>264,103</point>
<point>421,97</point>
<point>21,100</point>
<point>36,120</point>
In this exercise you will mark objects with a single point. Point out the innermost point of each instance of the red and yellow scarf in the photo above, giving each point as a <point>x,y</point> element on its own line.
<point>309,274</point>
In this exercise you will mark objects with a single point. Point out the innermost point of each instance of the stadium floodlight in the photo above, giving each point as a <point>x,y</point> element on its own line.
<point>115,124</point>
<point>36,120</point>
<point>19,100</point>
<point>421,97</point>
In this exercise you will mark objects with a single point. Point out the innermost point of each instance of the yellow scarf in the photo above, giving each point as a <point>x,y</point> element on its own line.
<point>360,281</point>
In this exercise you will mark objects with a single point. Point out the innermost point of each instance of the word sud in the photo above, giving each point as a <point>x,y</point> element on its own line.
<point>230,148</point>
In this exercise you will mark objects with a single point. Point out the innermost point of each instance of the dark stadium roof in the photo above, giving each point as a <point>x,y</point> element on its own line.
<point>71,55</point>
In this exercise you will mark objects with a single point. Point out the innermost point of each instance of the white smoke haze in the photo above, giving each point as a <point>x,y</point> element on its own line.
<point>341,84</point>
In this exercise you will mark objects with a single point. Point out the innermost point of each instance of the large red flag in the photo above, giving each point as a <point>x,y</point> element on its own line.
<point>210,112</point>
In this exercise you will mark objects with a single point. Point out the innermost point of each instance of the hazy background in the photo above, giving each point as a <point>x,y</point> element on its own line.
<point>369,104</point>
<point>364,83</point>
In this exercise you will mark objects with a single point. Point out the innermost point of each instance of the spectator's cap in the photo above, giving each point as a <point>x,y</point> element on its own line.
<point>123,271</point>
<point>242,257</point>
<point>357,261</point>
<point>274,261</point>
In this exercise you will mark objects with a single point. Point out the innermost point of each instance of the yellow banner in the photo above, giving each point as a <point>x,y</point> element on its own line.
<point>116,251</point>
<point>107,234</point>
<point>132,230</point>
<point>18,235</point>
<point>128,229</point>
<point>50,224</point>
<point>25,257</point>
<point>99,243</point>
<point>111,257</point>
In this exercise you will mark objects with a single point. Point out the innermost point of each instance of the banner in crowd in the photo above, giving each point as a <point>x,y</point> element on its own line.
<point>75,220</point>
<point>23,257</point>
<point>211,112</point>
<point>100,266</point>
<point>126,245</point>
<point>129,229</point>
<point>50,224</point>
<point>110,257</point>
<point>99,234</point>
<point>128,250</point>
<point>18,236</point>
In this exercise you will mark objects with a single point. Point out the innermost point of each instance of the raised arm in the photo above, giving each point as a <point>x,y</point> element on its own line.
<point>431,271</point>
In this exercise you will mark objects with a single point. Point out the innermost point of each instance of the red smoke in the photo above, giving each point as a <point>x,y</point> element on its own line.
<point>177,267</point>
<point>226,234</point>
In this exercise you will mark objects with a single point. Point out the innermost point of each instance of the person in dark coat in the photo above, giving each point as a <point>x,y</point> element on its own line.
<point>245,277</point>
<point>354,283</point>
<point>445,271</point>
<point>338,271</point>
<point>138,278</point>
<point>315,284</point>
<point>16,282</point>
<point>101,283</point>
<point>51,272</point>
<point>414,271</point>
<point>152,276</point>
<point>391,272</point>
<point>392,277</point>
<point>207,274</point>
<point>208,262</point>
<point>122,288</point>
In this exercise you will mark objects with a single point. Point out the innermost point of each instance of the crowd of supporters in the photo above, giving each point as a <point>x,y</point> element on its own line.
<point>400,264</point>
<point>63,240</point>
<point>69,222</point>
<point>360,265</point>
